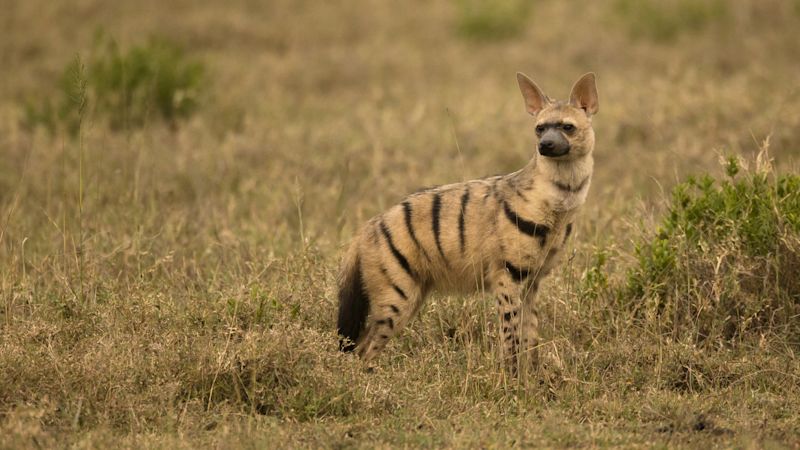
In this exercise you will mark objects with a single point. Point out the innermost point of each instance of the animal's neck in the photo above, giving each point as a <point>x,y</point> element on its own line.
<point>565,174</point>
<point>557,186</point>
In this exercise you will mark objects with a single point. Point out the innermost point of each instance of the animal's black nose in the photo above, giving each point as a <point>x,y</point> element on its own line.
<point>547,145</point>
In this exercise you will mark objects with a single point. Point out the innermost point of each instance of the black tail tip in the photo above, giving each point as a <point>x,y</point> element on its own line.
<point>353,309</point>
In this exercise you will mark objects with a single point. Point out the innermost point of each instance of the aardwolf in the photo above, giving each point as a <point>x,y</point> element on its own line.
<point>504,234</point>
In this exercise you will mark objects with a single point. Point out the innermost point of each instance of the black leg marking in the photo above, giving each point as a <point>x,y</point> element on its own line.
<point>399,291</point>
<point>568,232</point>
<point>506,316</point>
<point>461,224</point>
<point>398,256</point>
<point>388,321</point>
<point>436,209</point>
<point>383,336</point>
<point>516,273</point>
<point>396,288</point>
<point>410,227</point>
<point>395,309</point>
<point>526,226</point>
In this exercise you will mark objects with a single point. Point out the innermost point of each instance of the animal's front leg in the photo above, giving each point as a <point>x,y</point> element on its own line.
<point>508,291</point>
<point>529,326</point>
<point>537,357</point>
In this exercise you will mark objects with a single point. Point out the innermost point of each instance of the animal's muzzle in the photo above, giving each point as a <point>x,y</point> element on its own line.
<point>553,144</point>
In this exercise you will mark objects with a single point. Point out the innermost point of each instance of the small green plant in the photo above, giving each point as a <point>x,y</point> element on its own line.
<point>595,281</point>
<point>724,260</point>
<point>155,77</point>
<point>665,20</point>
<point>492,19</point>
<point>126,88</point>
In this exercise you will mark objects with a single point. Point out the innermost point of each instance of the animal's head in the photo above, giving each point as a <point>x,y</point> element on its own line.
<point>563,128</point>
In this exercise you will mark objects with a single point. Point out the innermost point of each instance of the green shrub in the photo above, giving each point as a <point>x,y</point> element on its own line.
<point>665,20</point>
<point>595,281</point>
<point>154,77</point>
<point>725,260</point>
<point>126,88</point>
<point>492,19</point>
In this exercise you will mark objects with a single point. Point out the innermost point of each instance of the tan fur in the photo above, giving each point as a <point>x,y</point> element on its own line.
<point>514,228</point>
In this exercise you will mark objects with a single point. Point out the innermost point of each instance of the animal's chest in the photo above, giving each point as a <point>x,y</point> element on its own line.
<point>533,237</point>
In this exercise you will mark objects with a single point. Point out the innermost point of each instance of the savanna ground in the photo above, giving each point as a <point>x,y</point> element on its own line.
<point>170,283</point>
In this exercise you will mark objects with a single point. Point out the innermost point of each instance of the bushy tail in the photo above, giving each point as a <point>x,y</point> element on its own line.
<point>353,301</point>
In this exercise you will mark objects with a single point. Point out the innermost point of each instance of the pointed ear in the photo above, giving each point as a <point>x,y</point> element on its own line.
<point>584,94</point>
<point>535,99</point>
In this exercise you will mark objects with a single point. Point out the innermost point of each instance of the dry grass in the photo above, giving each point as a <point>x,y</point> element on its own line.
<point>171,286</point>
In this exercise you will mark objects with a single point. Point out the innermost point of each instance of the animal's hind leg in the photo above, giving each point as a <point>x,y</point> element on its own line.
<point>391,308</point>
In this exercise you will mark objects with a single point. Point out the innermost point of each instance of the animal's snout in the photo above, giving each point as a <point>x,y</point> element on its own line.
<point>547,145</point>
<point>553,143</point>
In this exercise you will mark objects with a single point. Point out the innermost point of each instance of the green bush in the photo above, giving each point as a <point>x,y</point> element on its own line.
<point>665,20</point>
<point>492,19</point>
<point>725,260</point>
<point>126,88</point>
<point>154,77</point>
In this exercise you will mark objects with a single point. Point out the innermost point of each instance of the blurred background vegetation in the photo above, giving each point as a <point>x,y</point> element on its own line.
<point>178,178</point>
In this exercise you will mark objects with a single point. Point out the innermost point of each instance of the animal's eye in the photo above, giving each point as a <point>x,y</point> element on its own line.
<point>568,127</point>
<point>539,129</point>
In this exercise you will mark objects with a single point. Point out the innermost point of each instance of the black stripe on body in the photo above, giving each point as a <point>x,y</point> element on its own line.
<point>410,228</point>
<point>516,273</point>
<point>526,226</point>
<point>395,309</point>
<point>397,255</point>
<point>436,210</point>
<point>568,188</point>
<point>373,235</point>
<point>461,224</point>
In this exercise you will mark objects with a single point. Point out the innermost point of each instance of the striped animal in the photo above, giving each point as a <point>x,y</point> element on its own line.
<point>501,234</point>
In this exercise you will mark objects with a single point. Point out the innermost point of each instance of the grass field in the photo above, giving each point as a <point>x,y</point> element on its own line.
<point>169,282</point>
